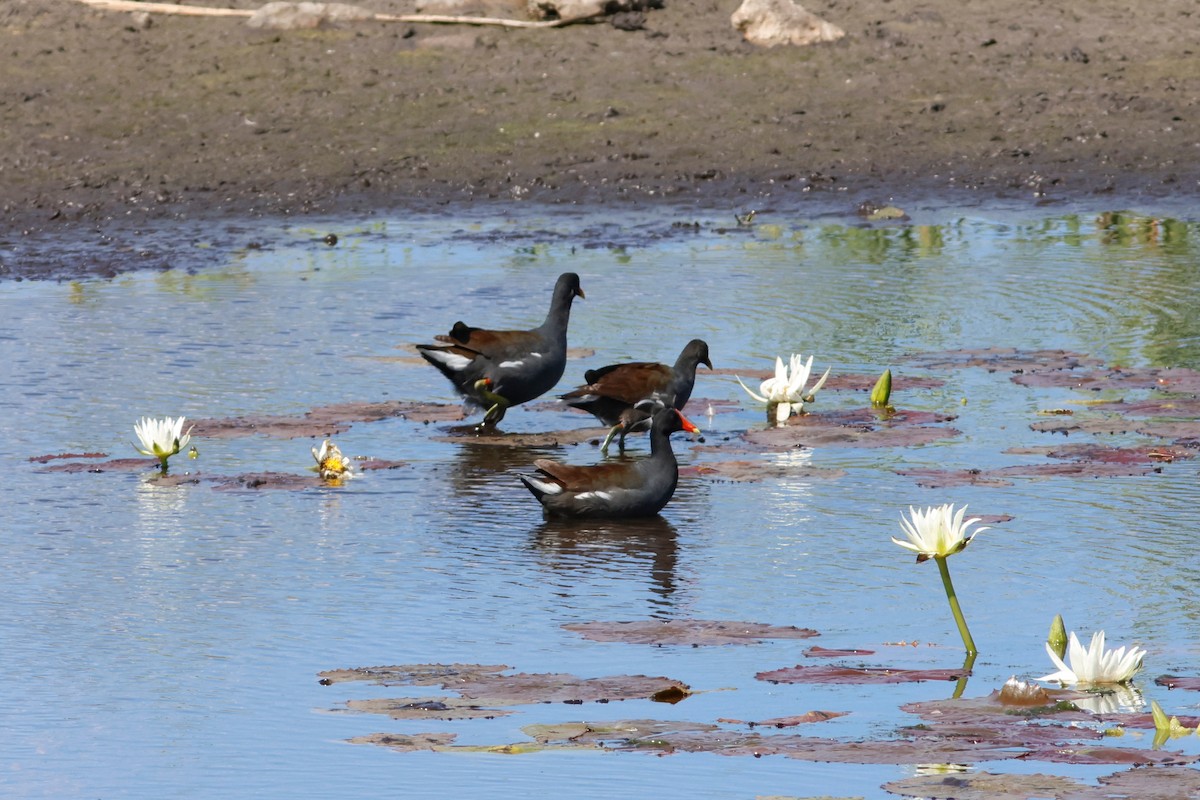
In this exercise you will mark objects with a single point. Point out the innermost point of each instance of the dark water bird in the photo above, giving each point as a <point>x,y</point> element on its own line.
<point>638,488</point>
<point>498,369</point>
<point>613,393</point>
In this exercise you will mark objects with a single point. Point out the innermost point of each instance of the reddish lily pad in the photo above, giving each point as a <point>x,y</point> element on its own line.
<point>410,674</point>
<point>694,632</point>
<point>809,748</point>
<point>854,428</point>
<point>1177,682</point>
<point>751,471</point>
<point>528,688</point>
<point>322,421</point>
<point>816,651</point>
<point>371,464</point>
<point>44,459</point>
<point>440,708</point>
<point>408,743</point>
<point>270,480</point>
<point>473,435</point>
<point>983,786</point>
<point>1186,407</point>
<point>990,708</point>
<point>789,722</point>
<point>1007,359</point>
<point>1145,783</point>
<point>1117,378</point>
<point>832,673</point>
<point>1085,754</point>
<point>1083,451</point>
<point>1003,476</point>
<point>112,465</point>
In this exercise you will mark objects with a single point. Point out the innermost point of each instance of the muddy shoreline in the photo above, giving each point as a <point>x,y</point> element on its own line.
<point>109,126</point>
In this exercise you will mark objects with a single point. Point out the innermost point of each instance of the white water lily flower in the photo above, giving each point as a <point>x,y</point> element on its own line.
<point>1095,665</point>
<point>161,438</point>
<point>937,531</point>
<point>331,464</point>
<point>786,391</point>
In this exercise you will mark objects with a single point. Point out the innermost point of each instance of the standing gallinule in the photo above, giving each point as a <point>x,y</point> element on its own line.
<point>613,392</point>
<point>622,489</point>
<point>498,369</point>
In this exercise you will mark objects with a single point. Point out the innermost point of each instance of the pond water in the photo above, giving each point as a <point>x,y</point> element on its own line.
<point>165,640</point>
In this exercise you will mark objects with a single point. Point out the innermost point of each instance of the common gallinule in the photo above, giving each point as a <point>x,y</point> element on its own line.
<point>498,369</point>
<point>637,488</point>
<point>613,392</point>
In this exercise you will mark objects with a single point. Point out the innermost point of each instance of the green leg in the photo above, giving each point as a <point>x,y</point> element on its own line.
<point>496,412</point>
<point>608,439</point>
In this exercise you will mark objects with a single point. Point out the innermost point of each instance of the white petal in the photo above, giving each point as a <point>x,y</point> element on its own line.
<point>750,392</point>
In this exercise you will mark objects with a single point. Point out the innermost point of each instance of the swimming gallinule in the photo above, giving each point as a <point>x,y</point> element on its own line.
<point>498,369</point>
<point>623,489</point>
<point>613,392</point>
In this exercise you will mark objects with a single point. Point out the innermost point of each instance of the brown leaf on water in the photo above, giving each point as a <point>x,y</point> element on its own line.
<point>1003,359</point>
<point>408,743</point>
<point>751,471</point>
<point>1004,476</point>
<point>410,674</point>
<point>1090,452</point>
<point>1177,682</point>
<point>1110,424</point>
<point>269,480</point>
<point>854,428</point>
<point>1084,754</point>
<point>693,632</point>
<point>1144,783</point>
<point>816,651</point>
<point>989,708</point>
<point>472,435</point>
<point>983,786</point>
<point>603,733</point>
<point>529,688</point>
<point>370,464</point>
<point>788,722</point>
<point>1170,406</point>
<point>809,748</point>
<point>441,708</point>
<point>322,421</point>
<point>112,465</point>
<point>44,459</point>
<point>1115,378</point>
<point>832,673</point>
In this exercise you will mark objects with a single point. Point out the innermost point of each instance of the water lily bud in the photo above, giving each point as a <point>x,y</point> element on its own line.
<point>883,390</point>
<point>1058,636</point>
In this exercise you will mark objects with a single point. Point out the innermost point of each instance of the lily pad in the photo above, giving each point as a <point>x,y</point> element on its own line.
<point>752,471</point>
<point>1087,452</point>
<point>1007,359</point>
<point>816,651</point>
<point>693,632</point>
<point>1145,783</point>
<point>831,673</point>
<point>1186,407</point>
<point>408,743</point>
<point>990,708</point>
<point>471,434</point>
<point>112,465</point>
<point>528,688</point>
<point>789,722</point>
<point>46,458</point>
<point>410,674</point>
<point>441,708</point>
<point>270,480</point>
<point>1085,754</point>
<point>1004,476</point>
<point>983,786</point>
<point>322,421</point>
<point>1116,378</point>
<point>1177,682</point>
<point>855,428</point>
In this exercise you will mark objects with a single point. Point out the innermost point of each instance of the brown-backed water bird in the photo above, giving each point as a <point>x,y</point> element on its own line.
<point>613,393</point>
<point>498,369</point>
<point>637,488</point>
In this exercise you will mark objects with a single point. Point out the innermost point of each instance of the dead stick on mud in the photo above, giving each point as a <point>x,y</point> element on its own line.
<point>436,19</point>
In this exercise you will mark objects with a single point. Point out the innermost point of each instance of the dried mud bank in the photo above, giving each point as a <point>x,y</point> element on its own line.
<point>106,125</point>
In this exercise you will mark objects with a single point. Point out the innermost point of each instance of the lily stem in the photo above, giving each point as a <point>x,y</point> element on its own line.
<point>963,631</point>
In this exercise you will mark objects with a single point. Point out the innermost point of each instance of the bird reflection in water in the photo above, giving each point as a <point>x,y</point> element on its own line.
<point>572,546</point>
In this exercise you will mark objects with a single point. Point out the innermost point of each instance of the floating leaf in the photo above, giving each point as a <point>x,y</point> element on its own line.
<point>1007,359</point>
<point>112,465</point>
<point>862,427</point>
<point>1085,452</point>
<point>789,722</point>
<point>442,708</point>
<point>44,459</point>
<point>1084,754</point>
<point>831,673</point>
<point>473,435</point>
<point>410,674</point>
<point>562,688</point>
<point>989,708</point>
<point>983,786</point>
<point>1004,476</point>
<point>1145,783</point>
<point>692,632</point>
<point>1115,378</point>
<point>817,651</point>
<point>270,480</point>
<point>408,743</point>
<point>1177,682</point>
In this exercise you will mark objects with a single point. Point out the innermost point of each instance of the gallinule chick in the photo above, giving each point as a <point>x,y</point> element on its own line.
<point>498,369</point>
<point>622,489</point>
<point>613,393</point>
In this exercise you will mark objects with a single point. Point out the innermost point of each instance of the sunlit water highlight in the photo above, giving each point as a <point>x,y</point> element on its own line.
<point>165,641</point>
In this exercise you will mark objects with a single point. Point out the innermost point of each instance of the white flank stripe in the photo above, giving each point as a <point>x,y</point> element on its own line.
<point>598,495</point>
<point>542,486</point>
<point>510,364</point>
<point>452,360</point>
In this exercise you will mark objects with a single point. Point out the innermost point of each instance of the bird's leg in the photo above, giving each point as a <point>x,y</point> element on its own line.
<point>499,404</point>
<point>620,426</point>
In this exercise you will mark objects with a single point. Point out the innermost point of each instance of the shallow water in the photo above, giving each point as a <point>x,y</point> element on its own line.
<point>164,641</point>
